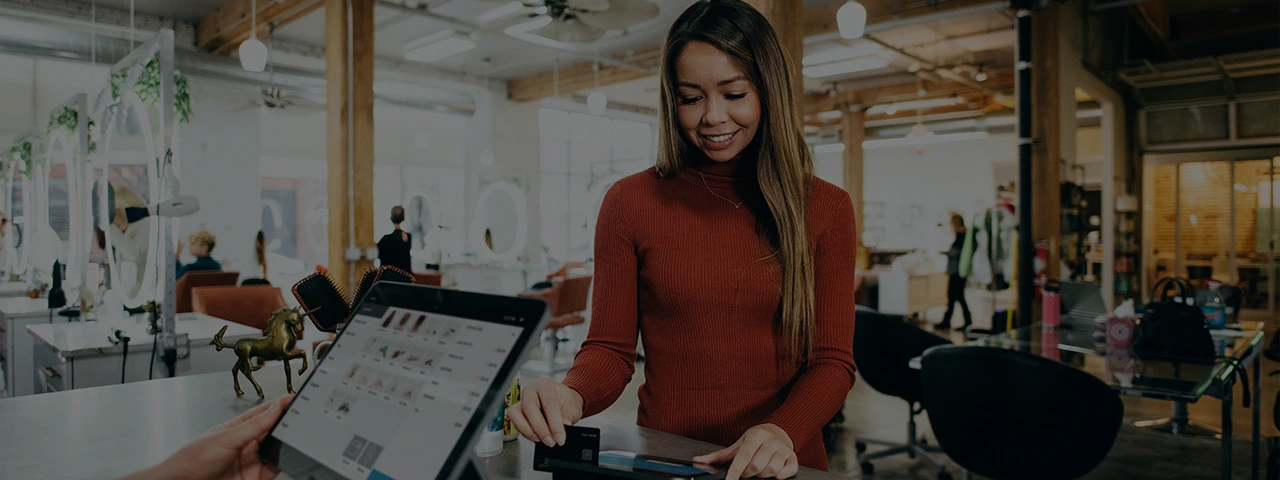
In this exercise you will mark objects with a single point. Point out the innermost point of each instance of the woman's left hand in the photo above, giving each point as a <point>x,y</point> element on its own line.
<point>226,452</point>
<point>764,451</point>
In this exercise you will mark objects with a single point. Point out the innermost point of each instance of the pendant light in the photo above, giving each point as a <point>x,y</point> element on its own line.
<point>253,53</point>
<point>597,102</point>
<point>852,19</point>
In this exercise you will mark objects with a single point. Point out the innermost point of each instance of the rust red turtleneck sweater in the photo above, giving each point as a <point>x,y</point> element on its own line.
<point>684,270</point>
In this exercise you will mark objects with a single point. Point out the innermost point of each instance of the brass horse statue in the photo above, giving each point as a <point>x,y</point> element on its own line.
<point>280,338</point>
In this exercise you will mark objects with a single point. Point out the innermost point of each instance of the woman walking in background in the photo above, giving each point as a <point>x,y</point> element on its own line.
<point>955,284</point>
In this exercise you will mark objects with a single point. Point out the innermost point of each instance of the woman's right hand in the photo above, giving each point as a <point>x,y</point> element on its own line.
<point>544,409</point>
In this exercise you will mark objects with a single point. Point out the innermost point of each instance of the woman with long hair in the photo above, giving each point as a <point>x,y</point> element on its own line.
<point>260,253</point>
<point>956,281</point>
<point>729,258</point>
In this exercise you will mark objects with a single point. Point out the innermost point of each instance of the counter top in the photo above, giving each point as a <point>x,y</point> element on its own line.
<point>77,339</point>
<point>24,305</point>
<point>106,432</point>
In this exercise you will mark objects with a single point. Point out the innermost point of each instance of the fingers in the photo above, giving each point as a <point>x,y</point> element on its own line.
<point>555,421</point>
<point>719,457</point>
<point>515,413</point>
<point>254,427</point>
<point>791,468</point>
<point>759,462</point>
<point>747,452</point>
<point>242,417</point>
<point>775,465</point>
<point>532,407</point>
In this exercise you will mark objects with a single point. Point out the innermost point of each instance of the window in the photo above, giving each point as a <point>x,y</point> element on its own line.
<point>582,156</point>
<point>434,201</point>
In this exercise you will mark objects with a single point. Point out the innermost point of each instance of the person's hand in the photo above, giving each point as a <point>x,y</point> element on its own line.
<point>120,220</point>
<point>764,451</point>
<point>544,409</point>
<point>226,452</point>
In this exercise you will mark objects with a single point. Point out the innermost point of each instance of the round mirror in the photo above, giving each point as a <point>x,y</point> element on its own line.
<point>15,259</point>
<point>128,158</point>
<point>66,229</point>
<point>499,228</point>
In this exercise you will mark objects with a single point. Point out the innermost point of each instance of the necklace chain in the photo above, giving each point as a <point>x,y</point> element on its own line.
<point>713,192</point>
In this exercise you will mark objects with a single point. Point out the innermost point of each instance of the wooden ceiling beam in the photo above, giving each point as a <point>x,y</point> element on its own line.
<point>228,25</point>
<point>816,21</point>
<point>868,97</point>
<point>822,20</point>
<point>579,77</point>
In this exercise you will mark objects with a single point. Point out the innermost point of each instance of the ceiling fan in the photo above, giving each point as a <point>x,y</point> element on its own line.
<point>271,96</point>
<point>573,21</point>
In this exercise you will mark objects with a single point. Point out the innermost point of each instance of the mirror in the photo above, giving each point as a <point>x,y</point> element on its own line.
<point>16,193</point>
<point>499,228</point>
<point>128,157</point>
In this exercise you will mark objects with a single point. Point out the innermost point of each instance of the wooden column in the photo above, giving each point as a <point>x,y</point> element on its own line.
<point>787,19</point>
<point>346,199</point>
<point>1045,127</point>
<point>852,134</point>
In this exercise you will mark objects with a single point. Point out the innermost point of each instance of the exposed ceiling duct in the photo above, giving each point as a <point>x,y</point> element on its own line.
<point>1227,77</point>
<point>58,29</point>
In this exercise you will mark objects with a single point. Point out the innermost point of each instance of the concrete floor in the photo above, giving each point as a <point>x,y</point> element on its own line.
<point>1137,453</point>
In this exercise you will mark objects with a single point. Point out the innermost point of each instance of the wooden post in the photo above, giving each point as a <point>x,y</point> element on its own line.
<point>787,19</point>
<point>1046,157</point>
<point>349,95</point>
<point>852,133</point>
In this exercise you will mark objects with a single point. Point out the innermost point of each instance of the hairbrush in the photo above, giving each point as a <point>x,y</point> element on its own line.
<point>393,274</point>
<point>320,295</point>
<point>367,279</point>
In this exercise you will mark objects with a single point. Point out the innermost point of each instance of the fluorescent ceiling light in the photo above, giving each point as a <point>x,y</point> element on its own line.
<point>529,26</point>
<point>506,9</point>
<point>914,105</point>
<point>437,46</point>
<point>848,66</point>
<point>860,49</point>
<point>828,148</point>
<point>923,140</point>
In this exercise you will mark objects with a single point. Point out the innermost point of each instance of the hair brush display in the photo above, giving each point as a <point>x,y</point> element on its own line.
<point>279,340</point>
<point>319,291</point>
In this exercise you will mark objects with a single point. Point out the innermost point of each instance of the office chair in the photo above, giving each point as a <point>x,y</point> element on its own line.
<point>1006,415</point>
<point>883,346</point>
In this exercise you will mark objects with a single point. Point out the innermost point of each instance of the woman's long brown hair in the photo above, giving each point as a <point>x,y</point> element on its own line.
<point>783,163</point>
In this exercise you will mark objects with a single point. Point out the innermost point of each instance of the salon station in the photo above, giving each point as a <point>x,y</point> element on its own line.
<point>183,178</point>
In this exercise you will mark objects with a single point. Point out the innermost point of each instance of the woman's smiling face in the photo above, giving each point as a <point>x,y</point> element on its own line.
<point>716,104</point>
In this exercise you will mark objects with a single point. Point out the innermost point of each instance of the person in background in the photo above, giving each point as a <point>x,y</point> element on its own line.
<point>260,253</point>
<point>225,452</point>
<point>202,243</point>
<point>955,283</point>
<point>729,260</point>
<point>393,249</point>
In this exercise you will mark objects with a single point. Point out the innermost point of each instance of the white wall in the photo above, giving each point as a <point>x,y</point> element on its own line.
<point>219,158</point>
<point>950,177</point>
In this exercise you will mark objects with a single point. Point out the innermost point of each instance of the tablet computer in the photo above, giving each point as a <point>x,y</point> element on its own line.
<point>410,381</point>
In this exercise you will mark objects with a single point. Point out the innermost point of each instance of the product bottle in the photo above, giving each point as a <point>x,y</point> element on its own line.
<point>1215,310</point>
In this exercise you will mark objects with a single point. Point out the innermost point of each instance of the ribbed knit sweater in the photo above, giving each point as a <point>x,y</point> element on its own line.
<point>679,265</point>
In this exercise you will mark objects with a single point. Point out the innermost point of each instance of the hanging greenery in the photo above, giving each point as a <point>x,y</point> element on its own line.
<point>148,87</point>
<point>20,155</point>
<point>68,119</point>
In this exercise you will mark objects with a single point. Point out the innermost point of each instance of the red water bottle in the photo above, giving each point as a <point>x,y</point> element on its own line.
<point>1051,311</point>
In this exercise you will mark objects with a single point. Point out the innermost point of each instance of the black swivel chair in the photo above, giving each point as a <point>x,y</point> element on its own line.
<point>883,346</point>
<point>1007,415</point>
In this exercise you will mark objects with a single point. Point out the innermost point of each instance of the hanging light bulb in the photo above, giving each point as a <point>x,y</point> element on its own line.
<point>891,109</point>
<point>597,102</point>
<point>253,53</point>
<point>981,76</point>
<point>852,19</point>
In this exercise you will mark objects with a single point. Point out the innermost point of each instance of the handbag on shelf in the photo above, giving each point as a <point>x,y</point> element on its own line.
<point>1173,328</point>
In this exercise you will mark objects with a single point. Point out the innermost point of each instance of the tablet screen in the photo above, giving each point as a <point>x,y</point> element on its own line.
<point>394,395</point>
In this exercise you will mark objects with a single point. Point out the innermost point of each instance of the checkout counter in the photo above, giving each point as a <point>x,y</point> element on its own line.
<point>107,432</point>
